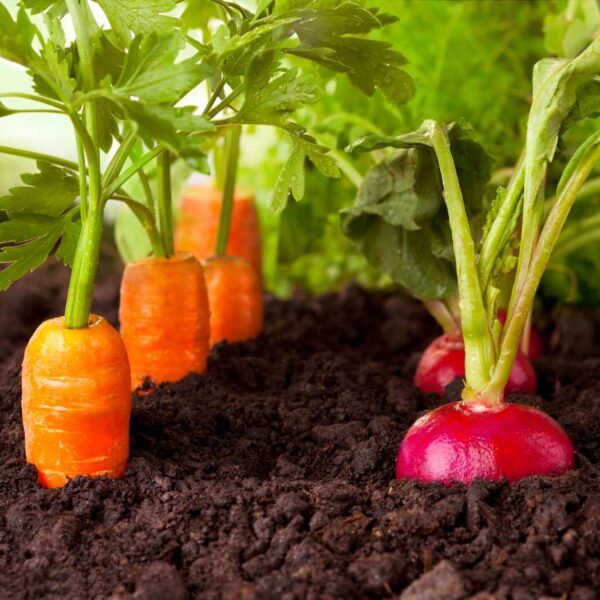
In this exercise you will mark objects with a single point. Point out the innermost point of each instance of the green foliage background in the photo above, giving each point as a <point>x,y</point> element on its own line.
<point>471,61</point>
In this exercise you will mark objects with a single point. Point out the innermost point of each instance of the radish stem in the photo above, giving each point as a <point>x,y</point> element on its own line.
<point>440,311</point>
<point>479,347</point>
<point>541,256</point>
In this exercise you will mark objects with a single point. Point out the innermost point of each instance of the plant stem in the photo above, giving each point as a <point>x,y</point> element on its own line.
<point>589,189</point>
<point>439,310</point>
<point>83,23</point>
<point>34,98</point>
<point>226,101</point>
<point>165,204</point>
<point>582,233</point>
<point>132,170</point>
<point>213,97</point>
<point>542,254</point>
<point>83,276</point>
<point>147,189</point>
<point>85,266</point>
<point>83,207</point>
<point>499,233</point>
<point>55,160</point>
<point>146,218</point>
<point>232,149</point>
<point>119,158</point>
<point>479,347</point>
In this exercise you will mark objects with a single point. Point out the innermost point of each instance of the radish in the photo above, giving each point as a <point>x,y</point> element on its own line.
<point>431,191</point>
<point>444,360</point>
<point>461,441</point>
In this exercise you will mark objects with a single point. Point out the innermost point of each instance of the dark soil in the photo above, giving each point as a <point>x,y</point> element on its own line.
<point>273,475</point>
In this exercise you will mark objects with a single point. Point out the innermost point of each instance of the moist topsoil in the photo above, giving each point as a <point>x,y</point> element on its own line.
<point>272,476</point>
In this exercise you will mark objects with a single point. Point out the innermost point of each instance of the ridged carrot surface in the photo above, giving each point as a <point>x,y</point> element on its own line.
<point>76,401</point>
<point>164,318</point>
<point>198,222</point>
<point>235,298</point>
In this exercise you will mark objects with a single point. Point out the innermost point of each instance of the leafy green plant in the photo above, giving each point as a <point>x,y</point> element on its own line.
<point>482,435</point>
<point>120,89</point>
<point>493,45</point>
<point>399,206</point>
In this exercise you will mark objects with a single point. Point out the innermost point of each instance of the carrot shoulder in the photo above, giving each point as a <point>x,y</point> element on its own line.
<point>198,222</point>
<point>76,401</point>
<point>164,318</point>
<point>235,297</point>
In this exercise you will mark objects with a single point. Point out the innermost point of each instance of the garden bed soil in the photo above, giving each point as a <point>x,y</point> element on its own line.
<point>273,475</point>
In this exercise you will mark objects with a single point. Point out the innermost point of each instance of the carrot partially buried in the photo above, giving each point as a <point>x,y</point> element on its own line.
<point>235,297</point>
<point>164,318</point>
<point>198,222</point>
<point>76,401</point>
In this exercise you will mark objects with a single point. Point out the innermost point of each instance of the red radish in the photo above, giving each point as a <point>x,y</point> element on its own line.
<point>461,441</point>
<point>536,343</point>
<point>444,360</point>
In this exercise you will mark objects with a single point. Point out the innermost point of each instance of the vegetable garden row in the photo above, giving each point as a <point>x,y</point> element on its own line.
<point>469,245</point>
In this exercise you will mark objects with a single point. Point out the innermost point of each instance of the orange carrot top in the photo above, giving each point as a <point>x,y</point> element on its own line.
<point>76,401</point>
<point>235,297</point>
<point>198,222</point>
<point>164,318</point>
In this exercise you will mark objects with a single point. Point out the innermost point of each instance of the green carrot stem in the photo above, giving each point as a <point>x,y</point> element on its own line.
<point>40,99</point>
<point>214,95</point>
<point>85,266</point>
<point>479,347</point>
<point>145,216</point>
<point>147,189</point>
<point>542,254</point>
<point>83,276</point>
<point>213,112</point>
<point>118,160</point>
<point>55,160</point>
<point>165,204</point>
<point>232,150</point>
<point>126,175</point>
<point>82,182</point>
<point>83,23</point>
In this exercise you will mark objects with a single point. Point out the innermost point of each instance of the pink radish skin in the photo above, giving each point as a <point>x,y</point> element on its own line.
<point>536,343</point>
<point>459,442</point>
<point>444,360</point>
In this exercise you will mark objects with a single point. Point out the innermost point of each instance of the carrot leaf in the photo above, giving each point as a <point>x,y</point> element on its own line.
<point>49,192</point>
<point>32,238</point>
<point>16,37</point>
<point>166,124</point>
<point>139,16</point>
<point>68,243</point>
<point>280,96</point>
<point>291,178</point>
<point>151,74</point>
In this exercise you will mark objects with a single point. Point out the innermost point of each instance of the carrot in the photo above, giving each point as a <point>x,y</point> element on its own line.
<point>235,298</point>
<point>198,222</point>
<point>164,318</point>
<point>76,401</point>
